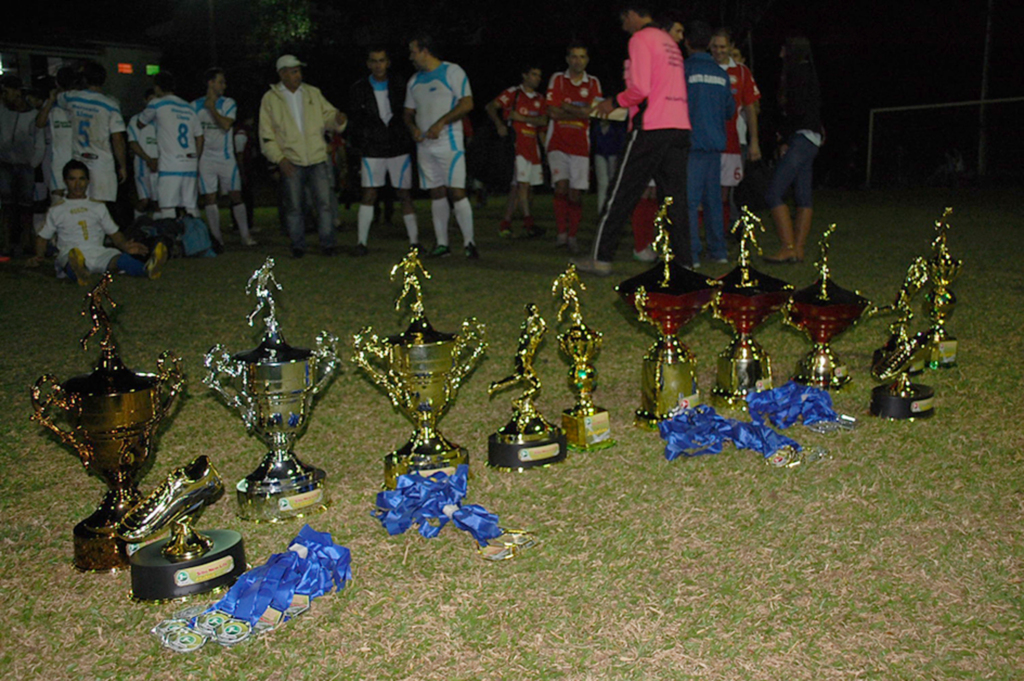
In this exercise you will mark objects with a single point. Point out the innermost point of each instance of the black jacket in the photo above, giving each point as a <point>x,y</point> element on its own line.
<point>369,136</point>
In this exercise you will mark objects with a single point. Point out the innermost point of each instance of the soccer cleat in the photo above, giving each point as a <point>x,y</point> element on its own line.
<point>646,255</point>
<point>76,261</point>
<point>155,264</point>
<point>562,240</point>
<point>590,266</point>
<point>360,250</point>
<point>440,252</point>
<point>250,242</point>
<point>505,229</point>
<point>471,252</point>
<point>419,249</point>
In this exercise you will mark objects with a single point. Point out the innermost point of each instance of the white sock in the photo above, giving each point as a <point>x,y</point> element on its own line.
<point>238,210</point>
<point>363,221</point>
<point>213,221</point>
<point>464,216</point>
<point>440,211</point>
<point>168,213</point>
<point>412,228</point>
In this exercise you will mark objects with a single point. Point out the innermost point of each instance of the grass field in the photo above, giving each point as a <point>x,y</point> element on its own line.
<point>902,557</point>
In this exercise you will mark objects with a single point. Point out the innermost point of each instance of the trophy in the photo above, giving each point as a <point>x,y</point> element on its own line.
<point>587,428</point>
<point>113,414</point>
<point>187,563</point>
<point>901,399</point>
<point>747,297</point>
<point>823,310</point>
<point>528,440</point>
<point>939,345</point>
<point>272,386</point>
<point>668,296</point>
<point>421,371</point>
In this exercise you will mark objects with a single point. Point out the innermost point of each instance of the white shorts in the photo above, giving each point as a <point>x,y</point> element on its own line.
<point>176,189</point>
<point>96,259</point>
<point>145,181</point>
<point>732,170</point>
<point>441,166</point>
<point>564,166</point>
<point>528,172</point>
<point>397,169</point>
<point>220,174</point>
<point>102,181</point>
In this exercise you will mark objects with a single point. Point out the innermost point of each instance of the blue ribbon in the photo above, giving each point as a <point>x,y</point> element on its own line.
<point>326,565</point>
<point>784,405</point>
<point>697,431</point>
<point>418,500</point>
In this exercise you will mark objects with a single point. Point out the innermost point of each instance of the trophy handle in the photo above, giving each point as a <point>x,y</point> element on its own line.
<point>368,351</point>
<point>219,361</point>
<point>327,360</point>
<point>171,382</point>
<point>470,344</point>
<point>48,392</point>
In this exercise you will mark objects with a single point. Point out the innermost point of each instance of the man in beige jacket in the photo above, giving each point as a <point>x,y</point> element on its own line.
<point>293,118</point>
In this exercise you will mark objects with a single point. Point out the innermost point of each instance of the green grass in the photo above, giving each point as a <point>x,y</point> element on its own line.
<point>899,558</point>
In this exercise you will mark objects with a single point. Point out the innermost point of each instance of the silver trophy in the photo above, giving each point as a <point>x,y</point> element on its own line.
<point>272,386</point>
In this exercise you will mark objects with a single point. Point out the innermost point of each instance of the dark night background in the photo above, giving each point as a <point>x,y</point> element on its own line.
<point>869,54</point>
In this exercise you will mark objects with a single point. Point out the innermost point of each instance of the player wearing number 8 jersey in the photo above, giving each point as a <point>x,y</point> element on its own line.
<point>179,138</point>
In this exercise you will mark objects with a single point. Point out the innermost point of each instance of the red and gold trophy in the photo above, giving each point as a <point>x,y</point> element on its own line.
<point>746,298</point>
<point>823,310</point>
<point>667,296</point>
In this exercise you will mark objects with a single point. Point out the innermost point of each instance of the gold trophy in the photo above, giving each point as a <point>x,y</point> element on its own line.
<point>187,563</point>
<point>272,386</point>
<point>113,414</point>
<point>747,297</point>
<point>528,440</point>
<point>421,371</point>
<point>667,296</point>
<point>823,310</point>
<point>587,428</point>
<point>943,269</point>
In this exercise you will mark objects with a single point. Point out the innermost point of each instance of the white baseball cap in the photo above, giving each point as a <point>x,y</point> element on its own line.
<point>286,61</point>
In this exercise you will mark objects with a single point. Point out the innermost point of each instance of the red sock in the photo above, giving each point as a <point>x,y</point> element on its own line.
<point>643,223</point>
<point>561,212</point>
<point>575,217</point>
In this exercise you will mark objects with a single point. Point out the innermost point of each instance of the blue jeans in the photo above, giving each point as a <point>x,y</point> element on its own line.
<point>796,168</point>
<point>317,179</point>
<point>703,186</point>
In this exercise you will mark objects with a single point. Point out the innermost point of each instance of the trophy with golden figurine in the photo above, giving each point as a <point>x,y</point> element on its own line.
<point>421,371</point>
<point>939,344</point>
<point>188,562</point>
<point>667,296</point>
<point>528,440</point>
<point>110,418</point>
<point>587,427</point>
<point>823,310</point>
<point>272,387</point>
<point>744,301</point>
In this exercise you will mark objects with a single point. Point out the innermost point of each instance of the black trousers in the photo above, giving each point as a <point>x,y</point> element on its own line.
<point>658,154</point>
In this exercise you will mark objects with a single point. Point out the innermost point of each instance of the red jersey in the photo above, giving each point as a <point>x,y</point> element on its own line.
<point>572,135</point>
<point>745,92</point>
<point>526,104</point>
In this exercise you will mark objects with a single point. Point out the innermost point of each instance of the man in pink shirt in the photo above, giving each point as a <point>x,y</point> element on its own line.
<point>659,140</point>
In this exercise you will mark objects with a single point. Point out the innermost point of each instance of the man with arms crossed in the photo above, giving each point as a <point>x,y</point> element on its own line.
<point>437,98</point>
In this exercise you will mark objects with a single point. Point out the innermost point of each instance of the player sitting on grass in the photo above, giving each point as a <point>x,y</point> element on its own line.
<point>80,225</point>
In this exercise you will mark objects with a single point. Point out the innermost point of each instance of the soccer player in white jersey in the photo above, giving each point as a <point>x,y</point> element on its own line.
<point>218,168</point>
<point>58,123</point>
<point>97,133</point>
<point>80,225</point>
<point>179,139</point>
<point>437,98</point>
<point>143,145</point>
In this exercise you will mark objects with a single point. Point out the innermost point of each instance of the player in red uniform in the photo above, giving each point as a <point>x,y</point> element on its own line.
<point>570,97</point>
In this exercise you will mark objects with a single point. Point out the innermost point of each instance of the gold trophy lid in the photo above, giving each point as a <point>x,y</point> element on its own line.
<point>420,332</point>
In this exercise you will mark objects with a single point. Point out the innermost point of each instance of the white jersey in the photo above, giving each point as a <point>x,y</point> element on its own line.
<point>435,93</point>
<point>94,118</point>
<point>81,224</point>
<point>145,138</point>
<point>217,142</point>
<point>177,128</point>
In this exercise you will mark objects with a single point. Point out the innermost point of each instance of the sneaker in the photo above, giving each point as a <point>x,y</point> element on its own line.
<point>440,252</point>
<point>562,240</point>
<point>250,242</point>
<point>590,266</point>
<point>360,250</point>
<point>646,255</point>
<point>76,261</point>
<point>471,252</point>
<point>720,261</point>
<point>155,264</point>
<point>505,229</point>
<point>217,246</point>
<point>573,246</point>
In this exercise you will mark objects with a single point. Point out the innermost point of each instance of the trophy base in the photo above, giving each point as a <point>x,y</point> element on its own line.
<point>99,550</point>
<point>740,375</point>
<point>431,456</point>
<point>665,387</point>
<point>822,369</point>
<point>916,403</point>
<point>517,452</point>
<point>155,578</point>
<point>587,432</point>
<point>940,354</point>
<point>273,499</point>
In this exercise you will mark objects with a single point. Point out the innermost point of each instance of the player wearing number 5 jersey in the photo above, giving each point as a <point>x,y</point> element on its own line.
<point>97,130</point>
<point>179,138</point>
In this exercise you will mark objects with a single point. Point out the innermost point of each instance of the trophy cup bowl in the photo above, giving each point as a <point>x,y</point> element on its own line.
<point>113,414</point>
<point>272,386</point>
<point>822,318</point>
<point>747,297</point>
<point>668,379</point>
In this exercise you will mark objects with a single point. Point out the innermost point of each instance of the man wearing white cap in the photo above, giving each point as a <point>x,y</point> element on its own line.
<point>293,118</point>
